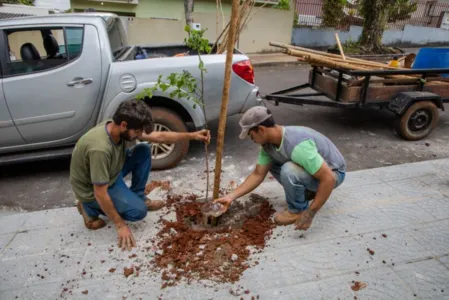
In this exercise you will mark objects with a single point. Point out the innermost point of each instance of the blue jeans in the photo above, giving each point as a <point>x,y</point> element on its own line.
<point>129,202</point>
<point>296,181</point>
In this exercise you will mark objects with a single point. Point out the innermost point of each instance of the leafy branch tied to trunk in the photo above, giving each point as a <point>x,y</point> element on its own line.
<point>184,85</point>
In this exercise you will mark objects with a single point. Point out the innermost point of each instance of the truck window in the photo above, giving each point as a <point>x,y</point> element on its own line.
<point>38,49</point>
<point>117,36</point>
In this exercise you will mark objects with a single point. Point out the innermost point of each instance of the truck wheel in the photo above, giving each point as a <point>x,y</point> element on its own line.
<point>166,156</point>
<point>418,121</point>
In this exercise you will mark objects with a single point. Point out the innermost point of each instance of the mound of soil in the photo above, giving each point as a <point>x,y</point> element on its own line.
<point>188,250</point>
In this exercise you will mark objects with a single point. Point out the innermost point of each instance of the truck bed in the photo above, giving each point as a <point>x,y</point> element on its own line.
<point>165,50</point>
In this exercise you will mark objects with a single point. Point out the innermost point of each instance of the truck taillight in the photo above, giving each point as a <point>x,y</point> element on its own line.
<point>245,70</point>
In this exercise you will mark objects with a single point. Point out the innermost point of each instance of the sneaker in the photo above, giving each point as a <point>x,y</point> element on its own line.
<point>154,204</point>
<point>92,223</point>
<point>286,217</point>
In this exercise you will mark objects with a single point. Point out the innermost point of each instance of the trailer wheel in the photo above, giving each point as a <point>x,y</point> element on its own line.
<point>418,121</point>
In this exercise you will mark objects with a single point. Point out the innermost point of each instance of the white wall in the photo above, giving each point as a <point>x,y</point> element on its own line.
<point>23,9</point>
<point>411,35</point>
<point>55,4</point>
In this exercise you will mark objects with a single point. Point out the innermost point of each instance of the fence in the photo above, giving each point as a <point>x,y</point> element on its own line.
<point>311,13</point>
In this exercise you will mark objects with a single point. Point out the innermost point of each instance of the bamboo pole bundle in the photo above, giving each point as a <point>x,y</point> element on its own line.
<point>373,64</point>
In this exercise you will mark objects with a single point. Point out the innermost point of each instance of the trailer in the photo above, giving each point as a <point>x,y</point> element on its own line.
<point>414,95</point>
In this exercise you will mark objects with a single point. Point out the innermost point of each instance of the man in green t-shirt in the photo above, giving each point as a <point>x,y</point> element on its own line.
<point>104,156</point>
<point>303,160</point>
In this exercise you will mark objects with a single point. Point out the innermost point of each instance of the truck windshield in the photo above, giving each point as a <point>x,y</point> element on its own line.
<point>117,36</point>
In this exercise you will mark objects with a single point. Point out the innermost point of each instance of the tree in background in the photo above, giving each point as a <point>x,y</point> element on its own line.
<point>24,2</point>
<point>376,15</point>
<point>188,11</point>
<point>283,4</point>
<point>333,12</point>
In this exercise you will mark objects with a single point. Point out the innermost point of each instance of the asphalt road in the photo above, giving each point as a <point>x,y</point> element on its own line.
<point>365,137</point>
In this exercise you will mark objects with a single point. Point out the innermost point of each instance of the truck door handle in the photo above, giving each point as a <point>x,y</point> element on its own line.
<point>80,81</point>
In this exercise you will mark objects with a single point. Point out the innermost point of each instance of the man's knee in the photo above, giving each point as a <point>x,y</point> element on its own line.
<point>293,173</point>
<point>135,214</point>
<point>143,150</point>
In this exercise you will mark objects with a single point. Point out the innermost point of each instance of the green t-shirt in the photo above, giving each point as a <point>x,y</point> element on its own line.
<point>305,154</point>
<point>97,160</point>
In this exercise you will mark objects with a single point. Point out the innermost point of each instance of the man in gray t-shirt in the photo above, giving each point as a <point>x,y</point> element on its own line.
<point>300,158</point>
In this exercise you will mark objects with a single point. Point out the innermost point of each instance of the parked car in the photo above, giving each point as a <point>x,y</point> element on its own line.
<point>62,74</point>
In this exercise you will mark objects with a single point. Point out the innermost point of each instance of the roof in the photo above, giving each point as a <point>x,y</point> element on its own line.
<point>5,15</point>
<point>81,17</point>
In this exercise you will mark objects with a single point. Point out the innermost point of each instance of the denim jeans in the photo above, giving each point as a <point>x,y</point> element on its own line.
<point>129,202</point>
<point>296,181</point>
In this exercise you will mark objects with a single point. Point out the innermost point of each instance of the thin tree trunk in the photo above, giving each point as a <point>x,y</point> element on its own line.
<point>375,20</point>
<point>188,11</point>
<point>225,96</point>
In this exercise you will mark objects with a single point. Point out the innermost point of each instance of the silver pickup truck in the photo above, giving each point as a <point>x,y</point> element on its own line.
<point>62,74</point>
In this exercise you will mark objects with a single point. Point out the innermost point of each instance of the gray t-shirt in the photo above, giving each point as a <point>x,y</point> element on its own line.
<point>306,147</point>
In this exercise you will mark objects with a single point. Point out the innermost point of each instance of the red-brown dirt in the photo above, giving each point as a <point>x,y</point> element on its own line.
<point>190,251</point>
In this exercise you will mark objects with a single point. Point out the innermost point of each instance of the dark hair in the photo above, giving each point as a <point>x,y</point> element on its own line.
<point>267,123</point>
<point>136,114</point>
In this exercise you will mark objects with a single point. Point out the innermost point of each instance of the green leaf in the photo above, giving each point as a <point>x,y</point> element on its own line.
<point>164,87</point>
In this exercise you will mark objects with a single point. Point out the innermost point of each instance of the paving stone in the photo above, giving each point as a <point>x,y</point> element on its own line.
<point>434,237</point>
<point>40,291</point>
<point>414,187</point>
<point>428,279</point>
<point>12,223</point>
<point>56,239</point>
<point>437,207</point>
<point>358,179</point>
<point>40,269</point>
<point>404,171</point>
<point>53,218</point>
<point>382,283</point>
<point>406,214</point>
<point>444,260</point>
<point>4,240</point>
<point>398,247</point>
<point>362,220</point>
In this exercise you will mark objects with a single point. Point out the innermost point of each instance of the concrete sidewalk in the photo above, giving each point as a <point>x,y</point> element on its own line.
<point>399,212</point>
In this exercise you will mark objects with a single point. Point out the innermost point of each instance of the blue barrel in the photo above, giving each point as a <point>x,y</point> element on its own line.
<point>432,58</point>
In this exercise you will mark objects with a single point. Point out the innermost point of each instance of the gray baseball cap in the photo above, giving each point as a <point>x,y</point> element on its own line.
<point>252,118</point>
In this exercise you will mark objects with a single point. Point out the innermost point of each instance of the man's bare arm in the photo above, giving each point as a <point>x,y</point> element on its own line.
<point>125,237</point>
<point>250,183</point>
<point>327,181</point>
<point>326,184</point>
<point>102,196</point>
<point>173,137</point>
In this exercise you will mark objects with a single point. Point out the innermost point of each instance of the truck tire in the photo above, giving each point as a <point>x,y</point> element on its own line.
<point>166,156</point>
<point>418,121</point>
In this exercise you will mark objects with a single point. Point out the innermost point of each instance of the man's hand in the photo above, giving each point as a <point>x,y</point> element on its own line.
<point>225,201</point>
<point>125,238</point>
<point>202,135</point>
<point>305,220</point>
